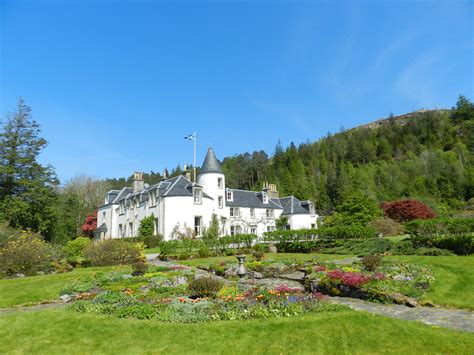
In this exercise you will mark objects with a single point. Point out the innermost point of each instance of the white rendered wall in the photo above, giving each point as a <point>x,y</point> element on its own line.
<point>301,221</point>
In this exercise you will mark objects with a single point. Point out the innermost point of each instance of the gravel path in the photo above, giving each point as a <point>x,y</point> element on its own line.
<point>441,317</point>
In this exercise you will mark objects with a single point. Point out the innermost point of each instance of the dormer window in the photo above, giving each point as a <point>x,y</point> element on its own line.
<point>220,183</point>
<point>229,195</point>
<point>264,197</point>
<point>197,195</point>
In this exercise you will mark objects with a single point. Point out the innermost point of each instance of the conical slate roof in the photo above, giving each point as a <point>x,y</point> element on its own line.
<point>211,164</point>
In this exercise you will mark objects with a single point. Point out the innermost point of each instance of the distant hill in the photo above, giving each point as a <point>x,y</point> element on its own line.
<point>401,119</point>
<point>426,154</point>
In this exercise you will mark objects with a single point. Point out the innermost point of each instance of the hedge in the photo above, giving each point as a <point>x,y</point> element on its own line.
<point>327,233</point>
<point>454,234</point>
<point>441,227</point>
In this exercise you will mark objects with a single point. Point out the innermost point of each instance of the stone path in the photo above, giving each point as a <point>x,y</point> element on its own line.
<point>448,318</point>
<point>36,307</point>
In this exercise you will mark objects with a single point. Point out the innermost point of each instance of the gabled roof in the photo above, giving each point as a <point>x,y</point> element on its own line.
<point>251,199</point>
<point>176,186</point>
<point>291,205</point>
<point>211,164</point>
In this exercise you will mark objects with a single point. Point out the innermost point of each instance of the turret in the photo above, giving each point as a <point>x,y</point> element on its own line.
<point>212,179</point>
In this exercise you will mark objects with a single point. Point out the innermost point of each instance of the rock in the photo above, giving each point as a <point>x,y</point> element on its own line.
<point>402,299</point>
<point>65,298</point>
<point>270,283</point>
<point>347,261</point>
<point>230,272</point>
<point>20,275</point>
<point>127,276</point>
<point>272,248</point>
<point>314,284</point>
<point>40,273</point>
<point>255,275</point>
<point>295,276</point>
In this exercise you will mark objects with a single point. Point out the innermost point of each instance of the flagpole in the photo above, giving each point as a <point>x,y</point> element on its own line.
<point>194,165</point>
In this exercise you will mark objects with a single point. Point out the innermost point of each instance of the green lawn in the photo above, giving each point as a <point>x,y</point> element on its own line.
<point>275,257</point>
<point>152,250</point>
<point>63,331</point>
<point>454,286</point>
<point>36,289</point>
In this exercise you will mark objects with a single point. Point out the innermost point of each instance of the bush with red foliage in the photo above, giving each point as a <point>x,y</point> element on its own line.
<point>407,210</point>
<point>90,225</point>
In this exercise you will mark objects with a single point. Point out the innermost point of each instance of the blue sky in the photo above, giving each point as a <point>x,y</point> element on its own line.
<point>117,84</point>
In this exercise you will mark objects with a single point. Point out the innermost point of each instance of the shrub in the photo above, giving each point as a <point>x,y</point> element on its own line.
<point>28,254</point>
<point>403,247</point>
<point>113,252</point>
<point>139,268</point>
<point>204,287</point>
<point>147,226</point>
<point>407,210</point>
<point>463,245</point>
<point>168,247</point>
<point>7,233</point>
<point>152,241</point>
<point>258,255</point>
<point>387,226</point>
<point>203,251</point>
<point>433,252</point>
<point>371,262</point>
<point>75,248</point>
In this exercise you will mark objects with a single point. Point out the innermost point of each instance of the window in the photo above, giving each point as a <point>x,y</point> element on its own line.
<point>269,213</point>
<point>131,204</point>
<point>252,213</point>
<point>235,230</point>
<point>312,210</point>
<point>137,202</point>
<point>229,196</point>
<point>234,212</point>
<point>122,207</point>
<point>313,225</point>
<point>270,228</point>
<point>103,216</point>
<point>130,226</point>
<point>197,193</point>
<point>120,231</point>
<point>152,200</point>
<point>220,183</point>
<point>253,229</point>
<point>264,197</point>
<point>220,202</point>
<point>197,225</point>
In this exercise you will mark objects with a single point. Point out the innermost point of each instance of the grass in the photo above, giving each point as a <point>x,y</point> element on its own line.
<point>273,257</point>
<point>63,331</point>
<point>36,289</point>
<point>454,286</point>
<point>152,250</point>
<point>397,238</point>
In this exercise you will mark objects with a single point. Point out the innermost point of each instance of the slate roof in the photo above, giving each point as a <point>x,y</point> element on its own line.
<point>211,163</point>
<point>291,205</point>
<point>177,186</point>
<point>251,199</point>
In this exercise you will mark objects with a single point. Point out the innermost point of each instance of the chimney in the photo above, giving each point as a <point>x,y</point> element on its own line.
<point>186,172</point>
<point>271,190</point>
<point>138,183</point>
<point>165,174</point>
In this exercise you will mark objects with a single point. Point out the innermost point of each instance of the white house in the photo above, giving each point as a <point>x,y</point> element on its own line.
<point>178,204</point>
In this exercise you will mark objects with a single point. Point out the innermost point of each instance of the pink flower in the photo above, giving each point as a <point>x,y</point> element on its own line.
<point>320,268</point>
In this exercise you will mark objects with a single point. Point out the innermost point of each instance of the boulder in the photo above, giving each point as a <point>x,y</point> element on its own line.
<point>65,298</point>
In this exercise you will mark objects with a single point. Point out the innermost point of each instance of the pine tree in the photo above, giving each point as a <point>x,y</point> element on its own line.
<point>27,188</point>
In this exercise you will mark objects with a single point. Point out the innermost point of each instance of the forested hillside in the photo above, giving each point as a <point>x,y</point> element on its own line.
<point>426,155</point>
